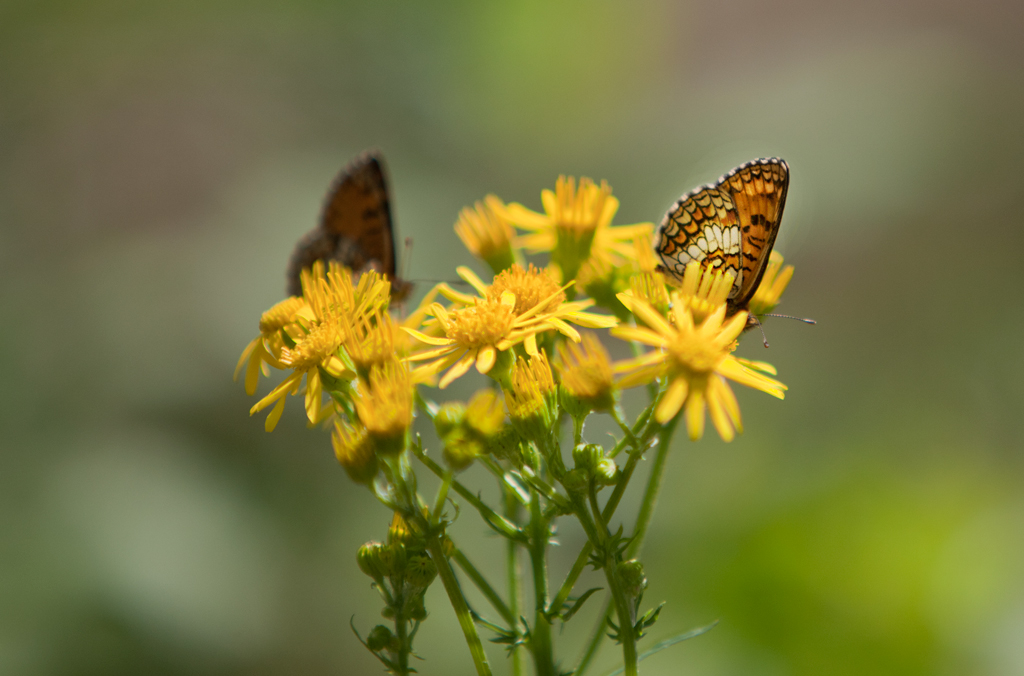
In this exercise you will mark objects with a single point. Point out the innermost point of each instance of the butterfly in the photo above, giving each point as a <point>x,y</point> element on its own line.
<point>730,224</point>
<point>355,227</point>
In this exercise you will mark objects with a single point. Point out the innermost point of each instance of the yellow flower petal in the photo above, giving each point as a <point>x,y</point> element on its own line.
<point>424,338</point>
<point>672,400</point>
<point>485,359</point>
<point>695,413</point>
<point>459,369</point>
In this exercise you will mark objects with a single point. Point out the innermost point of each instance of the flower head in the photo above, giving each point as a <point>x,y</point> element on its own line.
<point>480,329</point>
<point>586,373</point>
<point>773,283</point>
<point>487,234</point>
<point>531,287</point>
<point>531,399</point>
<point>576,225</point>
<point>265,349</point>
<point>384,406</point>
<point>354,450</point>
<point>696,359</point>
<point>703,290</point>
<point>316,349</point>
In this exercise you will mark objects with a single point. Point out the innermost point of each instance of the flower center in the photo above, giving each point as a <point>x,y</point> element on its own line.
<point>486,323</point>
<point>316,347</point>
<point>530,288</point>
<point>690,354</point>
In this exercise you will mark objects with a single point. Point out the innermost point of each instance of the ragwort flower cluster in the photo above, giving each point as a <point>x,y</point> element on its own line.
<point>366,374</point>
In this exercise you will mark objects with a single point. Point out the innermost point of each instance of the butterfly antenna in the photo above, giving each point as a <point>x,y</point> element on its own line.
<point>760,328</point>
<point>799,319</point>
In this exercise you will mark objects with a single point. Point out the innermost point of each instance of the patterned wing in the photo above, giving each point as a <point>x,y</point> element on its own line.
<point>758,189</point>
<point>355,224</point>
<point>703,226</point>
<point>730,224</point>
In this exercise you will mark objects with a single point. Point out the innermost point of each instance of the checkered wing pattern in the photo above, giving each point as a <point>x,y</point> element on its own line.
<point>730,224</point>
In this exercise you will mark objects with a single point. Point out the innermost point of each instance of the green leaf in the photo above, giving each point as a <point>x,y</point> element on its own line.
<point>567,615</point>
<point>669,642</point>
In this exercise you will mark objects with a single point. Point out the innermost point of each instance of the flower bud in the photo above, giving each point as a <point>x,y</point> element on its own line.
<point>632,575</point>
<point>571,404</point>
<point>379,638</point>
<point>461,448</point>
<point>485,413</point>
<point>420,571</point>
<point>399,531</point>
<point>586,457</point>
<point>607,472</point>
<point>586,370</point>
<point>392,558</point>
<point>449,417</point>
<point>369,560</point>
<point>576,481</point>
<point>505,444</point>
<point>355,452</point>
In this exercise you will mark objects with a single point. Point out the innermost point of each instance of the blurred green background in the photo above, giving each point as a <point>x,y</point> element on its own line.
<point>159,160</point>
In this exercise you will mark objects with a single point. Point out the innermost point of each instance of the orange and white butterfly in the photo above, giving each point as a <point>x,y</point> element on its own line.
<point>355,227</point>
<point>730,224</point>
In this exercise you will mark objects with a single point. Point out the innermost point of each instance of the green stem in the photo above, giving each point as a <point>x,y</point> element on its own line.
<point>484,586</point>
<point>458,601</point>
<point>499,522</point>
<point>543,656</point>
<point>442,495</point>
<point>512,569</point>
<point>402,633</point>
<point>570,579</point>
<point>627,635</point>
<point>640,531</point>
<point>650,499</point>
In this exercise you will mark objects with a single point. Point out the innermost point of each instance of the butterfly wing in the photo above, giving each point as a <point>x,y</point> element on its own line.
<point>355,224</point>
<point>730,224</point>
<point>758,189</point>
<point>703,226</point>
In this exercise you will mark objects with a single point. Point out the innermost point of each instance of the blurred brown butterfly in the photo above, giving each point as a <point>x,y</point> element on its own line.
<point>355,227</point>
<point>730,224</point>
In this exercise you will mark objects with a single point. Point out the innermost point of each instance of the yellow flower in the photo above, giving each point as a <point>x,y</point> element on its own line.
<point>488,325</point>
<point>531,287</point>
<point>315,349</point>
<point>774,282</point>
<point>586,373</point>
<point>334,294</point>
<point>531,397</point>
<point>575,225</point>
<point>266,348</point>
<point>354,450</point>
<point>643,250</point>
<point>703,290</point>
<point>487,234</point>
<point>696,359</point>
<point>650,287</point>
<point>384,406</point>
<point>370,340</point>
<point>484,413</point>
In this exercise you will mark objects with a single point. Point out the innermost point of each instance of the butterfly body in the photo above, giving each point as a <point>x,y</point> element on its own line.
<point>355,227</point>
<point>730,224</point>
